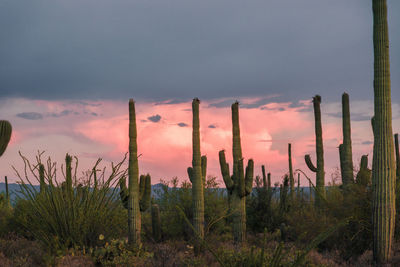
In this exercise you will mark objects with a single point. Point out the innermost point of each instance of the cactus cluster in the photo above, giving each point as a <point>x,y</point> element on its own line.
<point>239,185</point>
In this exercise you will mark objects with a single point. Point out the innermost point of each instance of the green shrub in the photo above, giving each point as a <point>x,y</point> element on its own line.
<point>73,213</point>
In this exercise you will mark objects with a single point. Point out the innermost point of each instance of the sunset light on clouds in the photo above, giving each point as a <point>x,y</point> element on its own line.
<point>93,129</point>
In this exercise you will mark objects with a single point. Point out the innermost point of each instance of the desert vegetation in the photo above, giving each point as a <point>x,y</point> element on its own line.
<point>113,216</point>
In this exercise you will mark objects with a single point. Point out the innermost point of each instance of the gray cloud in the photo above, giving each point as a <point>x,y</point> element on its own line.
<point>179,49</point>
<point>353,116</point>
<point>212,126</point>
<point>30,115</point>
<point>155,118</point>
<point>367,143</point>
<point>61,114</point>
<point>182,124</point>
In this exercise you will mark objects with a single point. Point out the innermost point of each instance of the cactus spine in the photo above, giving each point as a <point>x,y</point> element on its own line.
<point>197,175</point>
<point>383,163</point>
<point>319,170</point>
<point>5,135</point>
<point>239,185</point>
<point>291,177</point>
<point>134,219</point>
<point>156,222</point>
<point>345,150</point>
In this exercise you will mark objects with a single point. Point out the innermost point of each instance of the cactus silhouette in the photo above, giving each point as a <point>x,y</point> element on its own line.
<point>383,162</point>
<point>291,177</point>
<point>345,150</point>
<point>239,185</point>
<point>319,170</point>
<point>5,135</point>
<point>197,175</point>
<point>134,216</point>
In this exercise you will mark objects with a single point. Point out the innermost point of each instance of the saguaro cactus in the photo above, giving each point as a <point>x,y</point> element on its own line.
<point>319,170</point>
<point>396,143</point>
<point>7,193</point>
<point>383,163</point>
<point>5,135</point>
<point>197,175</point>
<point>291,177</point>
<point>134,217</point>
<point>345,150</point>
<point>239,185</point>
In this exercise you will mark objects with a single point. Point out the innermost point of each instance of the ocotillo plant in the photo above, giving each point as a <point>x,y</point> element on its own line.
<point>239,185</point>
<point>291,177</point>
<point>5,135</point>
<point>383,163</point>
<point>345,150</point>
<point>197,175</point>
<point>134,217</point>
<point>364,174</point>
<point>319,170</point>
<point>156,222</point>
<point>144,192</point>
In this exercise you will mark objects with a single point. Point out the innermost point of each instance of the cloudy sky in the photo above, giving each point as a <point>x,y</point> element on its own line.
<point>68,68</point>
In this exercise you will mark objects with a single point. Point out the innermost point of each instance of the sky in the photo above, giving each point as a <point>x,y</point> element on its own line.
<point>68,69</point>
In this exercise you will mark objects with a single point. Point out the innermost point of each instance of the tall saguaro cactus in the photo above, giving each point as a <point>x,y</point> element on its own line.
<point>239,185</point>
<point>134,217</point>
<point>383,163</point>
<point>291,177</point>
<point>345,150</point>
<point>319,170</point>
<point>5,135</point>
<point>197,175</point>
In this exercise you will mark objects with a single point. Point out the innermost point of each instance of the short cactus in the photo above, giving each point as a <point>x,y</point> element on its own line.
<point>364,174</point>
<point>156,222</point>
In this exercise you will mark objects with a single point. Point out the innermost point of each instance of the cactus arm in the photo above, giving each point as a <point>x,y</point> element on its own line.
<point>309,163</point>
<point>225,171</point>
<point>5,135</point>
<point>249,176</point>
<point>264,177</point>
<point>190,174</point>
<point>204,169</point>
<point>123,193</point>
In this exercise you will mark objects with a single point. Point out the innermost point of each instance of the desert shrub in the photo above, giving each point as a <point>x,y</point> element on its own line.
<point>6,215</point>
<point>73,213</point>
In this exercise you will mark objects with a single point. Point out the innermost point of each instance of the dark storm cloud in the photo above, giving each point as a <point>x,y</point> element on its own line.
<point>30,115</point>
<point>179,49</point>
<point>155,118</point>
<point>354,116</point>
<point>212,126</point>
<point>182,124</point>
